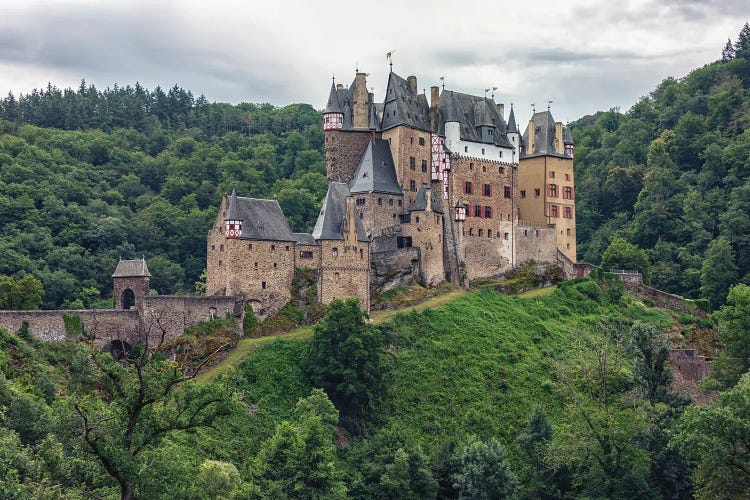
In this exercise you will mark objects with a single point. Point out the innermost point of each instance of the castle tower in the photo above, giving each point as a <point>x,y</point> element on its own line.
<point>131,281</point>
<point>233,222</point>
<point>568,141</point>
<point>546,182</point>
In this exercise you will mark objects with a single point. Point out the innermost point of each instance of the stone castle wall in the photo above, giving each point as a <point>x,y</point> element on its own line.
<point>307,256</point>
<point>107,324</point>
<point>344,271</point>
<point>483,254</point>
<point>688,369</point>
<point>343,152</point>
<point>426,230</point>
<point>171,314</point>
<point>379,211</point>
<point>399,267</point>
<point>535,243</point>
<point>405,145</point>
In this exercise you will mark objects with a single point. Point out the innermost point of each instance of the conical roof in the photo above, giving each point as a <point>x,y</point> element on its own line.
<point>567,138</point>
<point>333,105</point>
<point>233,212</point>
<point>512,127</point>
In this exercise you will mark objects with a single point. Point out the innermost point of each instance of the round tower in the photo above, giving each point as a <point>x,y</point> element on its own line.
<point>333,116</point>
<point>233,222</point>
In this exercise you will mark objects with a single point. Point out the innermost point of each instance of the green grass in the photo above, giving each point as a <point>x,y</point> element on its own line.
<point>538,292</point>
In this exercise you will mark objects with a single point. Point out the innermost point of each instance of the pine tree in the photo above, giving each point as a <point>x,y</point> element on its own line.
<point>743,40</point>
<point>727,53</point>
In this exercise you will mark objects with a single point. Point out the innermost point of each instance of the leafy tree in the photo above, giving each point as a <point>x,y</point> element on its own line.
<point>25,293</point>
<point>718,272</point>
<point>140,401</point>
<point>716,436</point>
<point>484,472</point>
<point>346,359</point>
<point>298,461</point>
<point>622,255</point>
<point>734,331</point>
<point>538,478</point>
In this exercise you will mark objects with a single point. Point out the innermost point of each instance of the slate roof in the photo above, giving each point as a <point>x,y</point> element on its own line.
<point>512,127</point>
<point>376,172</point>
<point>420,202</point>
<point>473,111</point>
<point>261,219</point>
<point>333,105</point>
<point>232,210</point>
<point>330,223</point>
<point>567,137</point>
<point>544,136</point>
<point>304,239</point>
<point>131,268</point>
<point>404,107</point>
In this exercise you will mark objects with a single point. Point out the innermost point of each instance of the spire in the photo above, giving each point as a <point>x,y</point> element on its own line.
<point>333,105</point>
<point>567,137</point>
<point>233,212</point>
<point>512,127</point>
<point>373,118</point>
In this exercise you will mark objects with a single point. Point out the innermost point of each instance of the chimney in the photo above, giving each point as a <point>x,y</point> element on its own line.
<point>412,83</point>
<point>351,223</point>
<point>428,196</point>
<point>530,145</point>
<point>501,110</point>
<point>559,146</point>
<point>339,86</point>
<point>434,111</point>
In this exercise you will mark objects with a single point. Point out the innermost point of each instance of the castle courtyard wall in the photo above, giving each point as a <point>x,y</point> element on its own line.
<point>426,231</point>
<point>344,272</point>
<point>48,326</point>
<point>537,243</point>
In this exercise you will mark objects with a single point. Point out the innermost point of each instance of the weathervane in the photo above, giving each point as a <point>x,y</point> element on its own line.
<point>533,108</point>
<point>389,56</point>
<point>549,103</point>
<point>442,79</point>
<point>493,92</point>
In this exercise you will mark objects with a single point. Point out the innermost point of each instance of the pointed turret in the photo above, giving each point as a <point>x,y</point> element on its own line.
<point>512,127</point>
<point>233,222</point>
<point>568,141</point>
<point>514,135</point>
<point>333,116</point>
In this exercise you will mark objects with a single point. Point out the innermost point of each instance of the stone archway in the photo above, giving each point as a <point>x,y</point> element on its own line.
<point>128,299</point>
<point>119,349</point>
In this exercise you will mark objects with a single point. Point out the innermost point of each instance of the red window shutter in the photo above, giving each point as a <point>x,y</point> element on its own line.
<point>549,189</point>
<point>572,193</point>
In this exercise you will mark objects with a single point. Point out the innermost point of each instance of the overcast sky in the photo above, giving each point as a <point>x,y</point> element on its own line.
<point>583,55</point>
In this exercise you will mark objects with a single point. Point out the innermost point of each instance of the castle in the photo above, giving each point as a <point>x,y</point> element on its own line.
<point>449,180</point>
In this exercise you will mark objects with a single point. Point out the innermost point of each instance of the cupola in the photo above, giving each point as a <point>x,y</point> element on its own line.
<point>233,221</point>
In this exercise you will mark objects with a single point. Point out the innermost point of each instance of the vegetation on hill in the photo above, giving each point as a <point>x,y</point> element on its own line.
<point>133,175</point>
<point>671,176</point>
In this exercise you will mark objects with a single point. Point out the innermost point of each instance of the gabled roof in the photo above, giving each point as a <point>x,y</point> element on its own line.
<point>262,220</point>
<point>404,107</point>
<point>376,172</point>
<point>473,111</point>
<point>512,127</point>
<point>544,136</point>
<point>420,202</point>
<point>330,223</point>
<point>304,239</point>
<point>131,268</point>
<point>333,105</point>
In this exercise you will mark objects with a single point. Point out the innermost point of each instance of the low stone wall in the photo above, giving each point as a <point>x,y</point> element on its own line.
<point>107,324</point>
<point>393,268</point>
<point>665,300</point>
<point>688,369</point>
<point>172,314</point>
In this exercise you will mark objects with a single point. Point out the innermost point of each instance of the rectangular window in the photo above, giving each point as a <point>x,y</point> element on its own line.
<point>482,150</point>
<point>263,284</point>
<point>360,202</point>
<point>403,241</point>
<point>507,192</point>
<point>487,190</point>
<point>305,255</point>
<point>551,174</point>
<point>466,149</point>
<point>413,185</point>
<point>523,193</point>
<point>424,165</point>
<point>553,211</point>
<point>568,212</point>
<point>488,212</point>
<point>477,211</point>
<point>567,193</point>
<point>380,201</point>
<point>467,187</point>
<point>412,163</point>
<point>537,192</point>
<point>390,202</point>
<point>567,177</point>
<point>421,141</point>
<point>552,190</point>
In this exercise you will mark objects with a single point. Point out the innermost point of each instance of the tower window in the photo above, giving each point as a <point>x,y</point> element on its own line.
<point>487,190</point>
<point>380,201</point>
<point>484,169</point>
<point>221,248</point>
<point>477,211</point>
<point>468,187</point>
<point>424,165</point>
<point>537,192</point>
<point>488,212</point>
<point>507,192</point>
<point>273,248</point>
<point>466,149</point>
<point>481,233</point>
<point>501,170</point>
<point>523,193</point>
<point>551,174</point>
<point>335,252</point>
<point>255,265</point>
<point>482,150</point>
<point>412,163</point>
<point>421,141</point>
<point>263,285</point>
<point>412,185</point>
<point>360,202</point>
<point>568,212</point>
<point>552,190</point>
<point>390,202</point>
<point>567,177</point>
<point>287,248</point>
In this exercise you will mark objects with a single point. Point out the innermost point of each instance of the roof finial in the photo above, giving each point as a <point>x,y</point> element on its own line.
<point>333,77</point>
<point>442,79</point>
<point>356,66</point>
<point>533,108</point>
<point>389,56</point>
<point>549,103</point>
<point>493,92</point>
